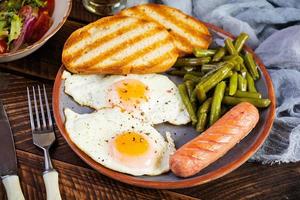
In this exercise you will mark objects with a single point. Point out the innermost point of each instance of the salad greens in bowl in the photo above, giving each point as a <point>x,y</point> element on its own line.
<point>25,25</point>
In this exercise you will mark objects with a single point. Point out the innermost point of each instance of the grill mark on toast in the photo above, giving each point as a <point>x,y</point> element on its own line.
<point>161,62</point>
<point>102,40</point>
<point>118,42</point>
<point>159,52</point>
<point>189,20</point>
<point>141,52</point>
<point>183,25</point>
<point>78,41</point>
<point>114,50</point>
<point>162,21</point>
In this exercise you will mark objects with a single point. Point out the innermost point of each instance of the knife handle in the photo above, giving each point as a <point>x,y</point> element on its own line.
<point>51,184</point>
<point>12,187</point>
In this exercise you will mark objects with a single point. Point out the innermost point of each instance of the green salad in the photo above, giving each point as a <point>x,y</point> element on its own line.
<point>23,22</point>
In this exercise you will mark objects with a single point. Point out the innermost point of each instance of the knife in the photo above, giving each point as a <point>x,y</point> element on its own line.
<point>8,159</point>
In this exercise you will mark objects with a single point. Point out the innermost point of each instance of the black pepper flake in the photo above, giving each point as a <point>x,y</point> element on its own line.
<point>155,141</point>
<point>133,139</point>
<point>169,91</point>
<point>142,113</point>
<point>109,100</point>
<point>132,127</point>
<point>147,133</point>
<point>106,141</point>
<point>155,151</point>
<point>102,160</point>
<point>174,133</point>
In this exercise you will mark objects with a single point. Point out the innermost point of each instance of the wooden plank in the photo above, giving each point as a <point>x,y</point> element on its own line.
<point>253,181</point>
<point>79,183</point>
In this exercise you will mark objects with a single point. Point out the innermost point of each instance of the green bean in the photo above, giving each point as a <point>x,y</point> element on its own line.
<point>195,73</point>
<point>193,99</point>
<point>193,62</point>
<point>215,110</point>
<point>242,83</point>
<point>191,77</point>
<point>186,101</point>
<point>238,67</point>
<point>230,47</point>
<point>229,74</point>
<point>208,67</point>
<point>201,95</point>
<point>250,83</point>
<point>216,78</point>
<point>177,72</point>
<point>203,52</point>
<point>229,57</point>
<point>202,115</point>
<point>244,70</point>
<point>233,84</point>
<point>235,59</point>
<point>260,103</point>
<point>250,64</point>
<point>242,94</point>
<point>220,53</point>
<point>189,86</point>
<point>202,121</point>
<point>205,107</point>
<point>240,41</point>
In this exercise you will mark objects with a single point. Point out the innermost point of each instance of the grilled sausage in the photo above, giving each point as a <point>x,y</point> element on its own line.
<point>215,141</point>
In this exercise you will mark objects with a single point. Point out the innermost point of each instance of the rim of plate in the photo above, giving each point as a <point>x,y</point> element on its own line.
<point>184,183</point>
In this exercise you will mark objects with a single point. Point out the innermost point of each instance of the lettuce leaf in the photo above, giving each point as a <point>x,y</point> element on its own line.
<point>35,3</point>
<point>15,28</point>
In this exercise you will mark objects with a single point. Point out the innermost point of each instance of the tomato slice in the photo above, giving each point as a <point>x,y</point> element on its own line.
<point>3,46</point>
<point>49,7</point>
<point>39,28</point>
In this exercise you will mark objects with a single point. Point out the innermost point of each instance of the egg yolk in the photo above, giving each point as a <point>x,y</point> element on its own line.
<point>131,144</point>
<point>131,90</point>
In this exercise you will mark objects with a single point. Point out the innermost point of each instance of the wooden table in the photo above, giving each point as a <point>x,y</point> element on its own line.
<point>79,181</point>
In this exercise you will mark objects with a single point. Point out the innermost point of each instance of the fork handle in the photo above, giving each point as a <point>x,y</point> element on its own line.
<point>12,187</point>
<point>51,184</point>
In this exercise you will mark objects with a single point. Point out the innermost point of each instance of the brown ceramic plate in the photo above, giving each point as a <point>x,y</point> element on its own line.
<point>230,161</point>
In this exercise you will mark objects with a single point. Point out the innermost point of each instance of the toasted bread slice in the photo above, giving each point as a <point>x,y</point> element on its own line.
<point>119,45</point>
<point>189,32</point>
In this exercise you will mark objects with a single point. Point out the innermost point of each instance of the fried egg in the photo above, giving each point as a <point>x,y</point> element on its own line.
<point>119,141</point>
<point>151,97</point>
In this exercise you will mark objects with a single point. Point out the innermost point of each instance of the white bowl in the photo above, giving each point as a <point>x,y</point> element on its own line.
<point>62,9</point>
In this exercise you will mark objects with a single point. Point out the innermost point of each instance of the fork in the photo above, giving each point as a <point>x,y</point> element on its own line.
<point>43,137</point>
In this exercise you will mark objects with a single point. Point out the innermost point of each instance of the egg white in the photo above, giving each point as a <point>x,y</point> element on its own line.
<point>164,103</point>
<point>92,133</point>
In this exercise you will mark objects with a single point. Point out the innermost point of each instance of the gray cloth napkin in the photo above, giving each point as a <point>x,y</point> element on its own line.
<point>272,26</point>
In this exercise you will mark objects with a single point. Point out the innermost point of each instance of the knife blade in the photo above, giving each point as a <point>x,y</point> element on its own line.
<point>8,159</point>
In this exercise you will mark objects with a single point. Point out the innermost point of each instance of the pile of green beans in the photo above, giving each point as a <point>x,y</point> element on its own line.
<point>216,79</point>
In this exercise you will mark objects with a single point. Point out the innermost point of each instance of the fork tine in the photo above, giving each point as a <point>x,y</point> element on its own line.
<point>42,108</point>
<point>47,107</point>
<point>36,110</point>
<point>30,110</point>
